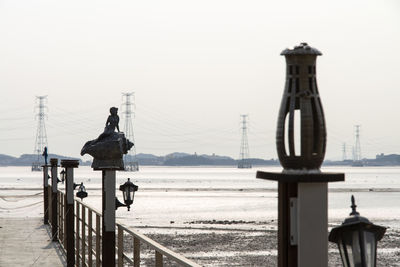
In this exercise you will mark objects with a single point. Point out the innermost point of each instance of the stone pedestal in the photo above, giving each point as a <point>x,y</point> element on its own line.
<point>108,207</point>
<point>302,216</point>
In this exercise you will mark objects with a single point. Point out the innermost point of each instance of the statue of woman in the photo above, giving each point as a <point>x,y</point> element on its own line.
<point>108,149</point>
<point>111,124</point>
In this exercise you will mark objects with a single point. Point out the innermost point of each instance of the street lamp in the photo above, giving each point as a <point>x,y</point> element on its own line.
<point>63,175</point>
<point>82,191</point>
<point>128,192</point>
<point>357,239</point>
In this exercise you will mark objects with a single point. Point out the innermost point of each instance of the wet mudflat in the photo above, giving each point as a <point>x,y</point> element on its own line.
<point>234,243</point>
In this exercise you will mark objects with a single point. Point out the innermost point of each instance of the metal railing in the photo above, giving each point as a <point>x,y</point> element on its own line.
<point>88,239</point>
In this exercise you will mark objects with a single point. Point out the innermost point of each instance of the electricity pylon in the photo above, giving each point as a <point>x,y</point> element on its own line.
<point>344,153</point>
<point>41,135</point>
<point>357,159</point>
<point>244,161</point>
<point>130,160</point>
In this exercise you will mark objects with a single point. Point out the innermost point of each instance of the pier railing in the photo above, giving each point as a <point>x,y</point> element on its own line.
<point>129,246</point>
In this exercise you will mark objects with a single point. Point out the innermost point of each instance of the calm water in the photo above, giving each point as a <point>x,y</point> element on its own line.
<point>187,194</point>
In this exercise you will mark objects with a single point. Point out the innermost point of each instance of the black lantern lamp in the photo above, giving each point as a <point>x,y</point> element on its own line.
<point>63,175</point>
<point>128,192</point>
<point>82,191</point>
<point>357,239</point>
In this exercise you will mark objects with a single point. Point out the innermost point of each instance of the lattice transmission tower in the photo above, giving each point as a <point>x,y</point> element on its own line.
<point>344,152</point>
<point>357,158</point>
<point>130,159</point>
<point>244,161</point>
<point>41,135</point>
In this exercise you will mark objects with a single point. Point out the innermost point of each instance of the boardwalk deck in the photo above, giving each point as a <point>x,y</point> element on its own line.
<point>27,242</point>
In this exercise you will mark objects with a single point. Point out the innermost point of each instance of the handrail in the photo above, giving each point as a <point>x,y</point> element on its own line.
<point>89,254</point>
<point>158,247</point>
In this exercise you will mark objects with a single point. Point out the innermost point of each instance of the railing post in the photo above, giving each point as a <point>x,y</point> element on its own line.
<point>108,237</point>
<point>83,235</point>
<point>120,246</point>
<point>136,252</point>
<point>159,259</point>
<point>59,214</point>
<point>45,194</point>
<point>98,247</point>
<point>90,241</point>
<point>69,166</point>
<point>54,222</point>
<point>49,208</point>
<point>77,233</point>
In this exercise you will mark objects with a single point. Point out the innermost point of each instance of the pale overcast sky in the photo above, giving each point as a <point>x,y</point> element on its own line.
<point>195,66</point>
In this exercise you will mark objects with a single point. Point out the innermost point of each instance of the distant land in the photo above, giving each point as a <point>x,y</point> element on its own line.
<point>185,159</point>
<point>27,159</point>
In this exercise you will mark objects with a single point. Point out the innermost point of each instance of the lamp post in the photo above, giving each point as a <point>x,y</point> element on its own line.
<point>302,187</point>
<point>357,239</point>
<point>128,192</point>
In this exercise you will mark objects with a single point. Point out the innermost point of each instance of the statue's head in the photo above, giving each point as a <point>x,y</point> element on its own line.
<point>113,111</point>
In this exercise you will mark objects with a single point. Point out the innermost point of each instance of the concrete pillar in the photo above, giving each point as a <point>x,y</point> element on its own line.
<point>302,216</point>
<point>69,166</point>
<point>108,238</point>
<point>287,250</point>
<point>54,223</point>
<point>312,224</point>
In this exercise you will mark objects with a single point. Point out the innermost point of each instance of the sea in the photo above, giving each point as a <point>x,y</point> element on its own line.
<point>184,195</point>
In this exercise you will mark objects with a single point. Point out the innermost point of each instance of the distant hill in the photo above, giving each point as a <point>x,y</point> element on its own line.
<point>185,159</point>
<point>27,159</point>
<point>379,160</point>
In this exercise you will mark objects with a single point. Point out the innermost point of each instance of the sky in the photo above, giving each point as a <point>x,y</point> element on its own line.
<point>194,68</point>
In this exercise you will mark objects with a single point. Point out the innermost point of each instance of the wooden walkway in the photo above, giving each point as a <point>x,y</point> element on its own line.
<point>27,242</point>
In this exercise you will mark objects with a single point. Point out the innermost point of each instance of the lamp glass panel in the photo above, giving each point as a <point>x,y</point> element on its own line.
<point>370,248</point>
<point>342,253</point>
<point>352,243</point>
<point>128,194</point>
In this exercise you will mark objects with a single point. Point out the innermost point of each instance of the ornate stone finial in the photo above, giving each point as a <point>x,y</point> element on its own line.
<point>108,149</point>
<point>353,206</point>
<point>301,97</point>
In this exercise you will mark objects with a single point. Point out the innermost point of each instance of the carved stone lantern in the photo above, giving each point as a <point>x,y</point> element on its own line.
<point>301,95</point>
<point>302,187</point>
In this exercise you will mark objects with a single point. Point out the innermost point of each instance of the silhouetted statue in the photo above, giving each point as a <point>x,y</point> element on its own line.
<point>111,123</point>
<point>45,155</point>
<point>108,149</point>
